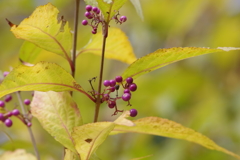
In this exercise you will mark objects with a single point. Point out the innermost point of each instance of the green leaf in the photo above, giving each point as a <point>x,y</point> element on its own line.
<point>163,127</point>
<point>163,57</point>
<point>43,76</point>
<point>118,46</point>
<point>110,7</point>
<point>137,5</point>
<point>44,29</point>
<point>29,52</point>
<point>18,154</point>
<point>58,114</point>
<point>69,155</point>
<point>90,136</point>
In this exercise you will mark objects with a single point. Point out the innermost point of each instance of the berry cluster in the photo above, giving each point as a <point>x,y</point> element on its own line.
<point>94,14</point>
<point>5,114</point>
<point>5,117</point>
<point>114,85</point>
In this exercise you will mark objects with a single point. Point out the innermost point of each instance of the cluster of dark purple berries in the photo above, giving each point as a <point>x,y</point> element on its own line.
<point>94,14</point>
<point>5,117</point>
<point>5,114</point>
<point>114,85</point>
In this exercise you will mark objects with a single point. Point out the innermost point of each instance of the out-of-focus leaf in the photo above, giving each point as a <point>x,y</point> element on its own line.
<point>110,7</point>
<point>29,52</point>
<point>122,120</point>
<point>44,29</point>
<point>91,2</point>
<point>58,114</point>
<point>69,155</point>
<point>163,57</point>
<point>163,127</point>
<point>137,5</point>
<point>18,154</point>
<point>90,136</point>
<point>118,46</point>
<point>43,76</point>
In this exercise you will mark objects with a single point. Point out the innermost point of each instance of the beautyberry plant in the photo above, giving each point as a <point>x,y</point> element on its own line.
<point>53,103</point>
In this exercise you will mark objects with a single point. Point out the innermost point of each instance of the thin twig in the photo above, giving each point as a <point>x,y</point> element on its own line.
<point>29,128</point>
<point>75,37</point>
<point>98,102</point>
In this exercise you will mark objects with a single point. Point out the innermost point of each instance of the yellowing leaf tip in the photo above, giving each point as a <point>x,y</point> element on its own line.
<point>228,48</point>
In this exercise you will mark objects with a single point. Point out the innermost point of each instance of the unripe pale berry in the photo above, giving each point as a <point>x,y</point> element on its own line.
<point>133,87</point>
<point>27,101</point>
<point>84,22</point>
<point>88,8</point>
<point>123,18</point>
<point>15,112</point>
<point>8,98</point>
<point>129,80</point>
<point>8,122</point>
<point>133,112</point>
<point>126,96</point>
<point>118,79</point>
<point>2,104</point>
<point>112,82</point>
<point>106,83</point>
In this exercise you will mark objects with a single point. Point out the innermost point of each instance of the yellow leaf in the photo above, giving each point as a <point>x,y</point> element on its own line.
<point>163,127</point>
<point>118,46</point>
<point>18,154</point>
<point>44,29</point>
<point>88,137</point>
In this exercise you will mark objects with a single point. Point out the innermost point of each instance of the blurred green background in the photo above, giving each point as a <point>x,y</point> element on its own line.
<point>201,93</point>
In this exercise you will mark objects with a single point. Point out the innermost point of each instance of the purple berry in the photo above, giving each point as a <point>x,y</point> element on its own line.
<point>94,31</point>
<point>15,112</point>
<point>8,98</point>
<point>8,122</point>
<point>5,73</point>
<point>2,104</point>
<point>106,83</point>
<point>88,14</point>
<point>84,22</point>
<point>98,11</point>
<point>94,9</point>
<point>118,79</point>
<point>27,101</point>
<point>88,8</point>
<point>126,96</point>
<point>126,91</point>
<point>111,104</point>
<point>1,117</point>
<point>112,89</point>
<point>9,114</point>
<point>133,87</point>
<point>129,80</point>
<point>29,124</point>
<point>112,82</point>
<point>133,112</point>
<point>123,18</point>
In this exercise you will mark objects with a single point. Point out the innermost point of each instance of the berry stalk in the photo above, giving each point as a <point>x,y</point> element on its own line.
<point>29,128</point>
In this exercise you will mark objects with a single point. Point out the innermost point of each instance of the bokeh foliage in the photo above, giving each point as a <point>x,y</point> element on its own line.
<point>201,93</point>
